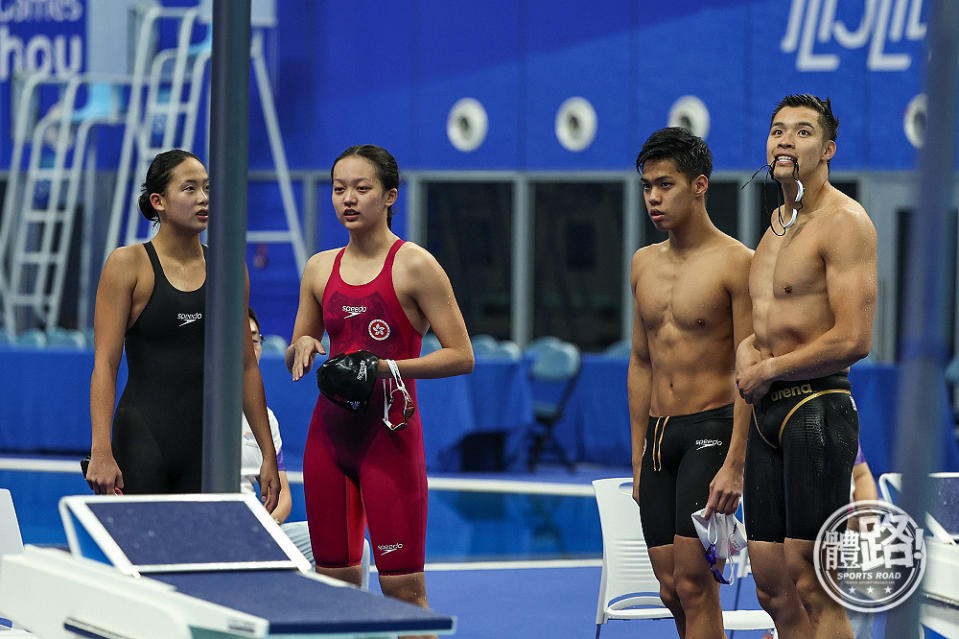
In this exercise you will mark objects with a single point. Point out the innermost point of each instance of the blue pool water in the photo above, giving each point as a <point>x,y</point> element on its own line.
<point>462,526</point>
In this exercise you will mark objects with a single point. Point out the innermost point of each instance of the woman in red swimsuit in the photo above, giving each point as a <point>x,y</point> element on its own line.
<point>381,294</point>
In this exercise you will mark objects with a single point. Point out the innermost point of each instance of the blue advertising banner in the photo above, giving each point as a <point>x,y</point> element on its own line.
<point>45,36</point>
<point>603,74</point>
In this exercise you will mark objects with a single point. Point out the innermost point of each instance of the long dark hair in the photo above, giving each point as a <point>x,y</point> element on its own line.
<point>387,171</point>
<point>158,178</point>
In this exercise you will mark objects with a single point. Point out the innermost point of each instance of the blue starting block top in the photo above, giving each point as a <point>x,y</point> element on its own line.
<point>226,550</point>
<point>188,532</point>
<point>294,604</point>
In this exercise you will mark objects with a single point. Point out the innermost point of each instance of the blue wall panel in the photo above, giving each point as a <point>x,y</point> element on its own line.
<point>388,73</point>
<point>573,52</point>
<point>685,49</point>
<point>849,57</point>
<point>362,53</point>
<point>465,49</point>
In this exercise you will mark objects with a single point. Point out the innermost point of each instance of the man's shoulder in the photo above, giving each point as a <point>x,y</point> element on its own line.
<point>725,250</point>
<point>844,215</point>
<point>650,252</point>
<point>733,247</point>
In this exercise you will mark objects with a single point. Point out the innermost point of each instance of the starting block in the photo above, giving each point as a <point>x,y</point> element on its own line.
<point>188,566</point>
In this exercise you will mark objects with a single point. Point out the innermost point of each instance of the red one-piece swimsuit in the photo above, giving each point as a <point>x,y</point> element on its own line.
<point>356,471</point>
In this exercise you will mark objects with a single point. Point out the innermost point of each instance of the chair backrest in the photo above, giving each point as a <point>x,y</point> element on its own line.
<point>10,539</point>
<point>506,349</point>
<point>553,375</point>
<point>556,362</point>
<point>430,343</point>
<point>483,344</point>
<point>541,342</point>
<point>621,348</point>
<point>627,570</point>
<point>274,344</point>
<point>66,338</point>
<point>34,338</point>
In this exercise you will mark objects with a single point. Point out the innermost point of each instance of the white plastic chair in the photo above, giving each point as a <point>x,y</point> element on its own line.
<point>628,588</point>
<point>10,542</point>
<point>10,539</point>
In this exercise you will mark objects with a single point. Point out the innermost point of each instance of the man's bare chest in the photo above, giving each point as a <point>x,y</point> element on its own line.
<point>687,298</point>
<point>788,266</point>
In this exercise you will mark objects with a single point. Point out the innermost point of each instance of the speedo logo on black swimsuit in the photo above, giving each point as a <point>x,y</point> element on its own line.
<point>188,318</point>
<point>707,443</point>
<point>790,391</point>
<point>353,311</point>
<point>388,548</point>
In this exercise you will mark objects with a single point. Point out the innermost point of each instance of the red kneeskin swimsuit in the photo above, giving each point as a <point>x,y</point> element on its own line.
<point>355,470</point>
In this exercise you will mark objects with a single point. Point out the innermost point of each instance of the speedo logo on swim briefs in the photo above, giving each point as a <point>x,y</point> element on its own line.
<point>388,548</point>
<point>353,311</point>
<point>707,443</point>
<point>790,391</point>
<point>188,318</point>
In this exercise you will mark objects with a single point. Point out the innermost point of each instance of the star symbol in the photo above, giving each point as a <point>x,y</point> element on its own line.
<point>869,590</point>
<point>852,590</point>
<point>888,590</point>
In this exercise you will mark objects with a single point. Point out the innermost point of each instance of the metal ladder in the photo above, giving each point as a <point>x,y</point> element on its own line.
<point>141,142</point>
<point>165,104</point>
<point>38,219</point>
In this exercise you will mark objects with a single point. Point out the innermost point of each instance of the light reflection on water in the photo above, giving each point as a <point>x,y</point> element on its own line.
<point>462,526</point>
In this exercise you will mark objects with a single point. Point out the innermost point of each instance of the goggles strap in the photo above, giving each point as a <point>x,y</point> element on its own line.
<point>390,386</point>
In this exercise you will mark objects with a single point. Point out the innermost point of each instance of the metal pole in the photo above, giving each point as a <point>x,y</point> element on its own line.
<point>226,277</point>
<point>521,313</point>
<point>632,240</point>
<point>924,342</point>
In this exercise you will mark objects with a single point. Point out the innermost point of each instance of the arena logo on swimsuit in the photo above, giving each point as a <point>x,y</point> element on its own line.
<point>791,391</point>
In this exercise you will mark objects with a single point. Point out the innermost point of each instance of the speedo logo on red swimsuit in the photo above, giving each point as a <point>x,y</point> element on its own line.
<point>353,311</point>
<point>388,548</point>
<point>188,318</point>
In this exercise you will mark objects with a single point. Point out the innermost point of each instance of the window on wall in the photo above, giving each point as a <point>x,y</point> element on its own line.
<point>578,271</point>
<point>469,231</point>
<point>722,202</point>
<point>906,226</point>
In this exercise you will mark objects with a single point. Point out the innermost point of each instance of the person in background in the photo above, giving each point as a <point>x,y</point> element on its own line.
<point>250,456</point>
<point>863,488</point>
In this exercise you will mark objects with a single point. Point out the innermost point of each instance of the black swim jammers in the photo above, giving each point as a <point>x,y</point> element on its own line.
<point>802,445</point>
<point>682,455</point>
